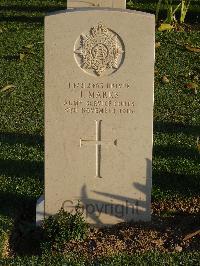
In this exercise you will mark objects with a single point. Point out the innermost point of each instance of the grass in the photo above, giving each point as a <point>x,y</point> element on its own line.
<point>118,260</point>
<point>176,167</point>
<point>176,115</point>
<point>150,6</point>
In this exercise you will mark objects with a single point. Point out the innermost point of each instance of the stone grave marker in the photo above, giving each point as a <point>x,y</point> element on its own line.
<point>99,76</point>
<point>96,3</point>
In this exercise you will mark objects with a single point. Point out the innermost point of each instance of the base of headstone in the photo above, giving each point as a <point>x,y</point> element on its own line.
<point>40,211</point>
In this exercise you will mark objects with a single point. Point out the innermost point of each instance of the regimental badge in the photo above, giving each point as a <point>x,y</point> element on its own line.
<point>101,51</point>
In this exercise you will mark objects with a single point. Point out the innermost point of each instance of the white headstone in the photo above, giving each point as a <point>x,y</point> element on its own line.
<point>99,76</point>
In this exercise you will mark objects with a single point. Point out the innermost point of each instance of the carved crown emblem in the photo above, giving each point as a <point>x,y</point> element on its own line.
<point>99,51</point>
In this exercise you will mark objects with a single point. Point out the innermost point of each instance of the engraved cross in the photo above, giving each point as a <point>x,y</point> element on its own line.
<point>98,143</point>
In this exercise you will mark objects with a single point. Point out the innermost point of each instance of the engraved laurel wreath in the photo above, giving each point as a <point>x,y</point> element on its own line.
<point>101,50</point>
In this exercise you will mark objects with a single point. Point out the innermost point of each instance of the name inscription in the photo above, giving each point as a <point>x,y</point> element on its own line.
<point>102,99</point>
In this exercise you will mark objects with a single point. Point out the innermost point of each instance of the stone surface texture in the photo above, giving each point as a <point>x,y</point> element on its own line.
<point>99,76</point>
<point>96,3</point>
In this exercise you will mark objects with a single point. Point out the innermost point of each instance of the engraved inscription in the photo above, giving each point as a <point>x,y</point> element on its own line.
<point>100,51</point>
<point>98,85</point>
<point>98,143</point>
<point>99,98</point>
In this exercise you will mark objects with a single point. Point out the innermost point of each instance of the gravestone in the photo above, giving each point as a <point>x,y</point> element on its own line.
<point>99,69</point>
<point>96,3</point>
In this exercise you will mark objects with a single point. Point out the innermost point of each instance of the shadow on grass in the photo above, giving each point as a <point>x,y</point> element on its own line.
<point>12,204</point>
<point>31,10</point>
<point>27,139</point>
<point>183,184</point>
<point>24,236</point>
<point>10,57</point>
<point>174,151</point>
<point>22,168</point>
<point>26,19</point>
<point>169,127</point>
<point>16,12</point>
<point>19,207</point>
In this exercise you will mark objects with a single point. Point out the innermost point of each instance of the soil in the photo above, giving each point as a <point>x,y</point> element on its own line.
<point>175,227</point>
<point>172,221</point>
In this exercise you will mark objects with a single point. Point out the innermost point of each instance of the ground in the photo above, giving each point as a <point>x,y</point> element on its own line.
<point>176,168</point>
